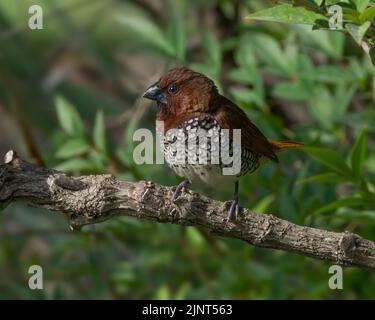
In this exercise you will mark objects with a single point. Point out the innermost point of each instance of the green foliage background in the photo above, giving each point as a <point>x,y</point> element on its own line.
<point>70,99</point>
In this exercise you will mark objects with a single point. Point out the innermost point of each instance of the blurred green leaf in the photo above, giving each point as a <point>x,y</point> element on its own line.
<point>214,50</point>
<point>245,58</point>
<point>347,202</point>
<point>148,32</point>
<point>308,4</point>
<point>72,148</point>
<point>98,159</point>
<point>321,106</point>
<point>268,49</point>
<point>343,97</point>
<point>182,291</point>
<point>357,155</point>
<point>364,216</point>
<point>287,14</point>
<point>247,96</point>
<point>291,91</point>
<point>178,30</point>
<point>368,14</point>
<point>163,293</point>
<point>247,73</point>
<point>331,159</point>
<point>316,2</point>
<point>194,237</point>
<point>331,2</point>
<point>330,42</point>
<point>361,4</point>
<point>329,177</point>
<point>69,118</point>
<point>99,135</point>
<point>263,204</point>
<point>76,164</point>
<point>357,32</point>
<point>213,66</point>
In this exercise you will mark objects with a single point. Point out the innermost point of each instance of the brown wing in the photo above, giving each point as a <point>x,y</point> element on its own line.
<point>229,116</point>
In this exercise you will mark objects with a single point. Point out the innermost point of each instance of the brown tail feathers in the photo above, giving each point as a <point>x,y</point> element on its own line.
<point>280,145</point>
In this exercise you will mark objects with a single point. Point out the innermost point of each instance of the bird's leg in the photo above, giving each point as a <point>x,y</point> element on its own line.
<point>179,188</point>
<point>234,207</point>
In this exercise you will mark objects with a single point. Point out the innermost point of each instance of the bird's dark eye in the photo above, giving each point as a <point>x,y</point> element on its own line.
<point>172,89</point>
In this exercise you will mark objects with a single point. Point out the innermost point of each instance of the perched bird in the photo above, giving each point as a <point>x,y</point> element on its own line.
<point>188,102</point>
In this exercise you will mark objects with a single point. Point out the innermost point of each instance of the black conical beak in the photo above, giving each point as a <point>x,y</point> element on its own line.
<point>154,93</point>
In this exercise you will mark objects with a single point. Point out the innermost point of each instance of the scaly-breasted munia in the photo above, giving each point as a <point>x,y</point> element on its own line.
<point>188,103</point>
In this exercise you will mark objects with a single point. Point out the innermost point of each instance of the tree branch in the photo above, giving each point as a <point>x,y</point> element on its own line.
<point>95,198</point>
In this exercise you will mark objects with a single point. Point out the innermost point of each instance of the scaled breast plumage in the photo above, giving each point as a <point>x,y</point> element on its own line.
<point>195,158</point>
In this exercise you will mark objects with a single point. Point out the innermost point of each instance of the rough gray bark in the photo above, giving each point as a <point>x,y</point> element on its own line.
<point>92,199</point>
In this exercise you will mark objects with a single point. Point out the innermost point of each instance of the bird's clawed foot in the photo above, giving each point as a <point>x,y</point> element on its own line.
<point>233,211</point>
<point>179,189</point>
<point>234,207</point>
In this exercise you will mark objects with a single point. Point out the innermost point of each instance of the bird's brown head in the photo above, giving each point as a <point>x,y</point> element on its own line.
<point>182,91</point>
